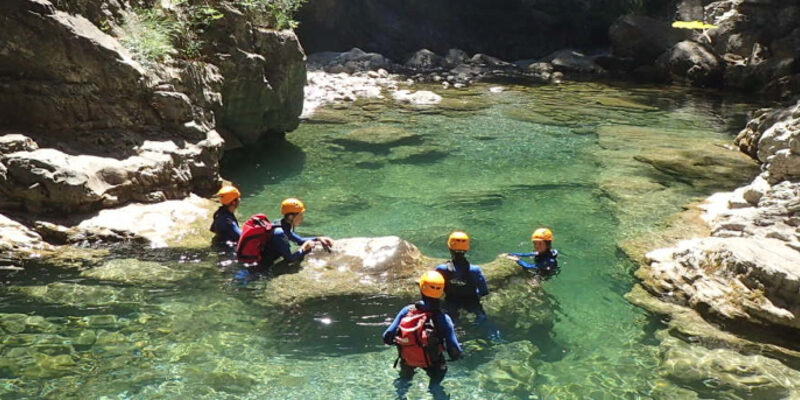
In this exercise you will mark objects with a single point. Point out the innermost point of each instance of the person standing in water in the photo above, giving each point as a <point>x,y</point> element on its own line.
<point>422,333</point>
<point>224,225</point>
<point>545,261</point>
<point>464,282</point>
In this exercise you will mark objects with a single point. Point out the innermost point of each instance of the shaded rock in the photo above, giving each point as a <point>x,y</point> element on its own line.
<point>568,60</point>
<point>264,75</point>
<point>415,154</point>
<point>425,60</point>
<point>174,223</point>
<point>692,63</point>
<point>356,60</point>
<point>642,38</point>
<point>132,272</point>
<point>455,57</point>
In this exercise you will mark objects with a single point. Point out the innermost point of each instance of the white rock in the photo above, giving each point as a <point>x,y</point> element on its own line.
<point>421,97</point>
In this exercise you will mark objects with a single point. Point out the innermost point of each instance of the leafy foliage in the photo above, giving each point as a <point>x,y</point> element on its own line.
<point>279,13</point>
<point>147,33</point>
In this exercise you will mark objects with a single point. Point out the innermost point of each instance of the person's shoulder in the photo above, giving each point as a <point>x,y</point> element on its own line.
<point>475,268</point>
<point>441,267</point>
<point>554,252</point>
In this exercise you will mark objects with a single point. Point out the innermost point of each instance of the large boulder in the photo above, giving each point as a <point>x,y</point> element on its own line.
<point>692,63</point>
<point>749,280</point>
<point>568,60</point>
<point>425,60</point>
<point>642,38</point>
<point>354,60</point>
<point>47,179</point>
<point>175,223</point>
<point>358,267</point>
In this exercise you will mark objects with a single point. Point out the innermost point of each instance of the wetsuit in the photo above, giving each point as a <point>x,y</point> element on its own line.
<point>464,286</point>
<point>443,328</point>
<point>544,263</point>
<point>278,245</point>
<point>226,228</point>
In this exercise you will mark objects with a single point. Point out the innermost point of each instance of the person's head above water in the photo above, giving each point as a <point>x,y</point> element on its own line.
<point>542,239</point>
<point>431,284</point>
<point>293,210</point>
<point>229,196</point>
<point>458,241</point>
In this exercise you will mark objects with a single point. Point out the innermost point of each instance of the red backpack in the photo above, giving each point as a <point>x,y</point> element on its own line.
<point>256,233</point>
<point>416,340</point>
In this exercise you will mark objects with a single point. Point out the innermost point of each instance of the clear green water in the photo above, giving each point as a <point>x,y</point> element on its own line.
<point>576,158</point>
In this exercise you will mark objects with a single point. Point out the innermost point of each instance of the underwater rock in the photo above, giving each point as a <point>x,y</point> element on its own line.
<point>378,138</point>
<point>512,370</point>
<point>715,370</point>
<point>174,223</point>
<point>135,272</point>
<point>74,294</point>
<point>415,154</point>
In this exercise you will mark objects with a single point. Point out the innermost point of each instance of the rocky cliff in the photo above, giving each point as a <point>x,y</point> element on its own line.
<point>755,46</point>
<point>108,103</point>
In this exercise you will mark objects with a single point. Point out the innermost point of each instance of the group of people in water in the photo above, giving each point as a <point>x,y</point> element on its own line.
<point>424,331</point>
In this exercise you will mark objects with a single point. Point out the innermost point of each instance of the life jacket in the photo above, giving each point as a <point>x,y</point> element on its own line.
<point>256,233</point>
<point>416,339</point>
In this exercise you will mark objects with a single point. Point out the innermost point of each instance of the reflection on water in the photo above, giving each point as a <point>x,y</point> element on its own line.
<point>596,163</point>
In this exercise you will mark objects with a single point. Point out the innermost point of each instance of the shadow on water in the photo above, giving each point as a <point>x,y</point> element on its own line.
<point>268,161</point>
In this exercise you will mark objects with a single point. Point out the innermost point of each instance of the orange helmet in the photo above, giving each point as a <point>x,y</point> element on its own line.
<point>292,206</point>
<point>542,234</point>
<point>458,241</point>
<point>431,284</point>
<point>227,194</point>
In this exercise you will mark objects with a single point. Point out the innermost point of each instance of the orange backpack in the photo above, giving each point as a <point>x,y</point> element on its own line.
<point>416,340</point>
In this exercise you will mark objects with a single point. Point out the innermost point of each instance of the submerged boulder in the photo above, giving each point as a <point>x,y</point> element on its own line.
<point>378,138</point>
<point>135,272</point>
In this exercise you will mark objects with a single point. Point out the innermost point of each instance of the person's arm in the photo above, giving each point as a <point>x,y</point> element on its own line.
<point>480,282</point>
<point>522,254</point>
<point>526,265</point>
<point>234,226</point>
<point>451,341</point>
<point>286,252</point>
<point>391,331</point>
<point>297,238</point>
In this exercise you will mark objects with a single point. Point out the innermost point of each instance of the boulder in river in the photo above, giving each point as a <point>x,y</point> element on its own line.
<point>358,267</point>
<point>642,38</point>
<point>693,63</point>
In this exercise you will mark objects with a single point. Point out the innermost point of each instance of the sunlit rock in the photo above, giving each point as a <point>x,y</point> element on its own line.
<point>419,97</point>
<point>18,241</point>
<point>175,223</point>
<point>366,266</point>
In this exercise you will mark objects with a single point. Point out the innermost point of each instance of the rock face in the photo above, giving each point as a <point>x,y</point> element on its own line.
<point>104,129</point>
<point>19,242</point>
<point>264,74</point>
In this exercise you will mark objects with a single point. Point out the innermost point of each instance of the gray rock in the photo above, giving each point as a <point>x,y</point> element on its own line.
<point>756,190</point>
<point>568,60</point>
<point>692,63</point>
<point>18,241</point>
<point>133,272</point>
<point>425,60</point>
<point>455,57</point>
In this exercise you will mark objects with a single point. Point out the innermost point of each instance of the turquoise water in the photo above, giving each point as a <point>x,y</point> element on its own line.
<point>596,163</point>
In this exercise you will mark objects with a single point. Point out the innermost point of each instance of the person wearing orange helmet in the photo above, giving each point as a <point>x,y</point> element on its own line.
<point>464,282</point>
<point>224,225</point>
<point>422,332</point>
<point>545,261</point>
<point>293,211</point>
